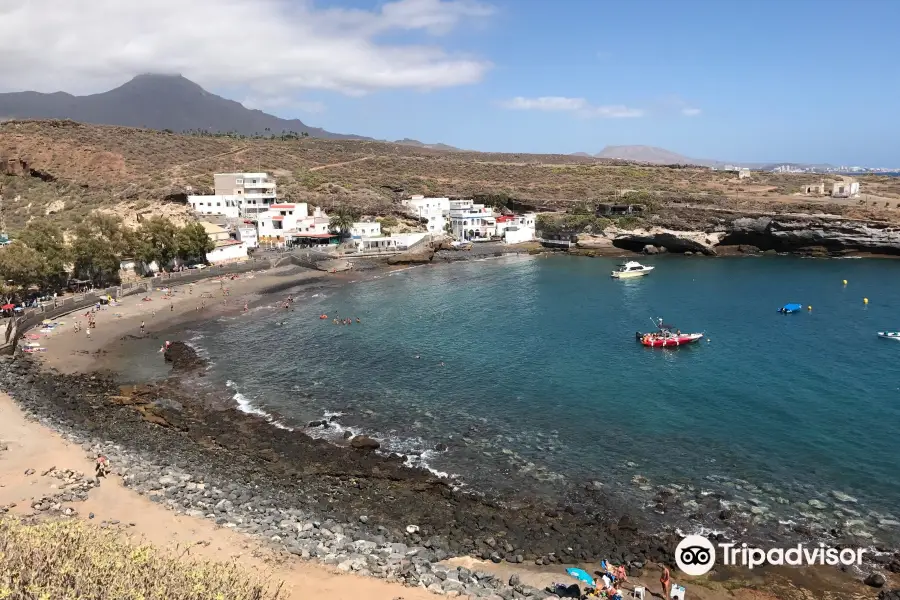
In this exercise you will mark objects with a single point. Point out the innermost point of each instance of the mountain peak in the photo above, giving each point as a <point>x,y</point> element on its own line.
<point>156,101</point>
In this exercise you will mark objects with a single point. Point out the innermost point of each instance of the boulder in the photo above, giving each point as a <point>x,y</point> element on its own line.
<point>413,257</point>
<point>364,442</point>
<point>183,357</point>
<point>650,249</point>
<point>875,580</point>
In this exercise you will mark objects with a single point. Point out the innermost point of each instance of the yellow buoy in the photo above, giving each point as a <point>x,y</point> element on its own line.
<point>845,282</point>
<point>809,308</point>
<point>865,300</point>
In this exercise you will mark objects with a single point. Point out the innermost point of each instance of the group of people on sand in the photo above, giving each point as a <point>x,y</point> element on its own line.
<point>613,579</point>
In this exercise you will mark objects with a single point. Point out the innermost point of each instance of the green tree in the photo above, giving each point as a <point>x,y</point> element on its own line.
<point>154,241</point>
<point>49,242</point>
<point>100,243</point>
<point>20,266</point>
<point>193,243</point>
<point>342,220</point>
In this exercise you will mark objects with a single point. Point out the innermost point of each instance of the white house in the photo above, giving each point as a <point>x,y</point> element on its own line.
<point>280,219</point>
<point>228,206</point>
<point>842,189</point>
<point>516,229</point>
<point>227,251</point>
<point>436,210</point>
<point>237,195</point>
<point>397,241</point>
<point>284,223</point>
<point>363,229</point>
<point>247,234</point>
<point>470,221</point>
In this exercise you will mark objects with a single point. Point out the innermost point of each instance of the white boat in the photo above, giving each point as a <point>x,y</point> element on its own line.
<point>631,269</point>
<point>889,335</point>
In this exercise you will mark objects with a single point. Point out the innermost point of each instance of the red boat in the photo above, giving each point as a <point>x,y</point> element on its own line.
<point>667,337</point>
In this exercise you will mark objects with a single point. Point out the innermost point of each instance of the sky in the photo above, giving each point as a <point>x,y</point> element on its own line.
<point>811,81</point>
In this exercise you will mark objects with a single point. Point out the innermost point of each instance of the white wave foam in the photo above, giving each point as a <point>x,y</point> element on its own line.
<point>246,406</point>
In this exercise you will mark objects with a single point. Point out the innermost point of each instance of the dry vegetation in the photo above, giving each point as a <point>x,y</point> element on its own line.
<point>72,169</point>
<point>67,559</point>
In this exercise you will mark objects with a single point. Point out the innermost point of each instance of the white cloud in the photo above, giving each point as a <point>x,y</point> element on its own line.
<point>691,112</point>
<point>578,106</point>
<point>270,47</point>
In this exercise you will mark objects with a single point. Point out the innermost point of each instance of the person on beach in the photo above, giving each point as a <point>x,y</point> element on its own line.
<point>89,332</point>
<point>621,574</point>
<point>101,467</point>
<point>665,581</point>
<point>142,328</point>
<point>171,307</point>
<point>246,307</point>
<point>357,319</point>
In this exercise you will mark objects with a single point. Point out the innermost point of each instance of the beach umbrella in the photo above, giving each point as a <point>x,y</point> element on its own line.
<point>582,576</point>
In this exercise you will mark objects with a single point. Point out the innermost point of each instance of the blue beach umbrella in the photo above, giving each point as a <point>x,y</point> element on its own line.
<point>582,576</point>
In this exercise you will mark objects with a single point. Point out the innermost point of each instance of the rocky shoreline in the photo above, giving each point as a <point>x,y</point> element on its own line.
<point>350,508</point>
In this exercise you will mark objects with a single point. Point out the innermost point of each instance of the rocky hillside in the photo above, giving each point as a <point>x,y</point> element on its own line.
<point>64,170</point>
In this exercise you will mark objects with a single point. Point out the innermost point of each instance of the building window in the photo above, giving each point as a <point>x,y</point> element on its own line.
<point>239,181</point>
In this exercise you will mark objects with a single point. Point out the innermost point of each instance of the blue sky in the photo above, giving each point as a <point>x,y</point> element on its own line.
<point>753,81</point>
<point>797,80</point>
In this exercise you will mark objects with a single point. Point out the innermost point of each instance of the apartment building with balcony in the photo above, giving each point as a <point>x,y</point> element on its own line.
<point>237,195</point>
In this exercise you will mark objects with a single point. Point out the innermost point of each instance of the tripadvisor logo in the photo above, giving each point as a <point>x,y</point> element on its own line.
<point>695,555</point>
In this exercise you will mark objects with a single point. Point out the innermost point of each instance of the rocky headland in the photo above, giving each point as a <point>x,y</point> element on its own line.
<point>714,232</point>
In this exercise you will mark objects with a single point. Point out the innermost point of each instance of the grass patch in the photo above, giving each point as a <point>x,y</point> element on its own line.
<point>56,560</point>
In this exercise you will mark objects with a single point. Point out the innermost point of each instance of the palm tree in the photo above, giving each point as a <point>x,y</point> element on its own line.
<point>342,220</point>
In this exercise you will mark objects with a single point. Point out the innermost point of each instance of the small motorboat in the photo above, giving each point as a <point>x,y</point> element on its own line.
<point>667,336</point>
<point>889,335</point>
<point>631,269</point>
<point>790,308</point>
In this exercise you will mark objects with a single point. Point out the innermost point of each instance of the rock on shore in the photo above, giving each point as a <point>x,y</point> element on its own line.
<point>424,255</point>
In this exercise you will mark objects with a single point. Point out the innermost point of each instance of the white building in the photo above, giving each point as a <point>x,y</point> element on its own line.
<point>358,230</point>
<point>237,195</point>
<point>228,206</point>
<point>292,222</point>
<point>516,229</point>
<point>436,210</point>
<point>842,189</point>
<point>395,242</point>
<point>248,235</point>
<point>470,221</point>
<point>227,251</point>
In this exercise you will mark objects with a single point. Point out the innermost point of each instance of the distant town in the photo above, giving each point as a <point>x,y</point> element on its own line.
<point>795,168</point>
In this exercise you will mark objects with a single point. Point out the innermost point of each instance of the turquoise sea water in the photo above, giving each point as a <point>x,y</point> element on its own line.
<point>543,384</point>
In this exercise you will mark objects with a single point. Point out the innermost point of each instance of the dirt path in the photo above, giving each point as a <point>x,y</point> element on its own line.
<point>342,164</point>
<point>177,169</point>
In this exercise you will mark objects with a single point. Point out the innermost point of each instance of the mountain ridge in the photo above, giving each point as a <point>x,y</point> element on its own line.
<point>155,101</point>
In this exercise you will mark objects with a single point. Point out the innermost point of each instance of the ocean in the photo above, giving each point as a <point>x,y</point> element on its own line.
<point>522,375</point>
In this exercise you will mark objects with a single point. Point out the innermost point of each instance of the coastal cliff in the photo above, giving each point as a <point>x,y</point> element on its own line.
<point>713,232</point>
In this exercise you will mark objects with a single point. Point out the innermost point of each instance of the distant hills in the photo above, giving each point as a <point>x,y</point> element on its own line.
<point>661,156</point>
<point>156,102</point>
<point>178,104</point>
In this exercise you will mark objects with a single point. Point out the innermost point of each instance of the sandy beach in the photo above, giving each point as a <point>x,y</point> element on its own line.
<point>35,452</point>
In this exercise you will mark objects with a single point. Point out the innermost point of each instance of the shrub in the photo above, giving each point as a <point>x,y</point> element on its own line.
<point>67,559</point>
